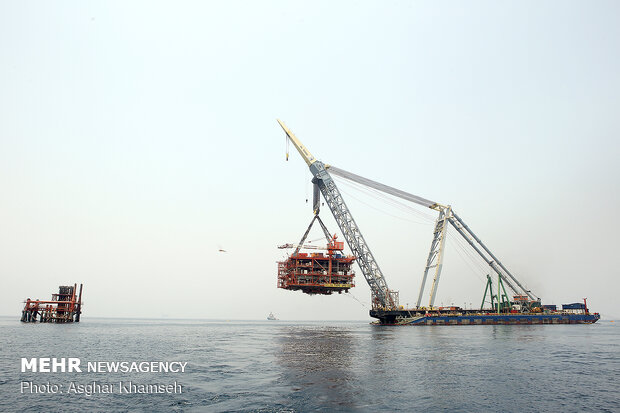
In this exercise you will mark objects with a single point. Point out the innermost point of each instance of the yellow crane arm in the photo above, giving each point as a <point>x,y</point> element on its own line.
<point>305,153</point>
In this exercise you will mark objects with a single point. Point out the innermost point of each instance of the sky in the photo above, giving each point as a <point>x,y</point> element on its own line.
<point>139,138</point>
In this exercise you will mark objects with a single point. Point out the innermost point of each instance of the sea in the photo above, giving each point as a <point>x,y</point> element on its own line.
<point>307,366</point>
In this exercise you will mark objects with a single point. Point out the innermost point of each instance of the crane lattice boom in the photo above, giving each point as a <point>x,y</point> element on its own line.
<point>382,297</point>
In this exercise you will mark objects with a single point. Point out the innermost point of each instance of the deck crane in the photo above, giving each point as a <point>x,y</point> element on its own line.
<point>384,300</point>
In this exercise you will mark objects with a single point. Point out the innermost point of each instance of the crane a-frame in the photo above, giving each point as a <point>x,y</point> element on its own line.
<point>384,300</point>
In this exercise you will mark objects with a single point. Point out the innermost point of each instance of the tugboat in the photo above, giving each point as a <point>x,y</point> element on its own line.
<point>271,317</point>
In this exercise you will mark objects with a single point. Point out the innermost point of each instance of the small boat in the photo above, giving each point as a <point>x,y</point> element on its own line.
<point>271,317</point>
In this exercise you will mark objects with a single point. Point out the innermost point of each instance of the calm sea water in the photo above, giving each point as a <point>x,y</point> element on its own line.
<point>283,366</point>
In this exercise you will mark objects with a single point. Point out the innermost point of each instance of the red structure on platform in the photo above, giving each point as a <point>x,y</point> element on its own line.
<point>318,272</point>
<point>64,307</point>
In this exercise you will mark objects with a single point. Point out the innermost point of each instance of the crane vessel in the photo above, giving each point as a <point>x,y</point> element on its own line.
<point>319,273</point>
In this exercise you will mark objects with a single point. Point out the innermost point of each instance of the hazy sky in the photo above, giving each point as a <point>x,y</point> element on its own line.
<point>138,138</point>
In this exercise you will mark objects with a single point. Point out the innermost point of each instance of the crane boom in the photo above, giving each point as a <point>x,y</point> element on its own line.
<point>305,153</point>
<point>382,297</point>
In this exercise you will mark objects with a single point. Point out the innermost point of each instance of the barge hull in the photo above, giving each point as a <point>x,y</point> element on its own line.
<point>407,318</point>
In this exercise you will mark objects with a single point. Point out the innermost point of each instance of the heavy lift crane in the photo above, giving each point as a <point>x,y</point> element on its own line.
<point>382,296</point>
<point>384,300</point>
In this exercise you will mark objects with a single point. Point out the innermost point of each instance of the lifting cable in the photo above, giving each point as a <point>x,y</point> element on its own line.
<point>348,194</point>
<point>385,197</point>
<point>379,196</point>
<point>474,259</point>
<point>483,267</point>
<point>348,293</point>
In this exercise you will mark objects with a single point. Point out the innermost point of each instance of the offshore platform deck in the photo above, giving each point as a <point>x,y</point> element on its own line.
<point>64,307</point>
<point>317,272</point>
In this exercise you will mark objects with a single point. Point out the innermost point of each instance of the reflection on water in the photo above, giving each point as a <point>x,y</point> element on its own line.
<point>312,348</point>
<point>316,363</point>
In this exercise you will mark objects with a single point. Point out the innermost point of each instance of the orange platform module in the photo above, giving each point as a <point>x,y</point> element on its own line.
<point>318,272</point>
